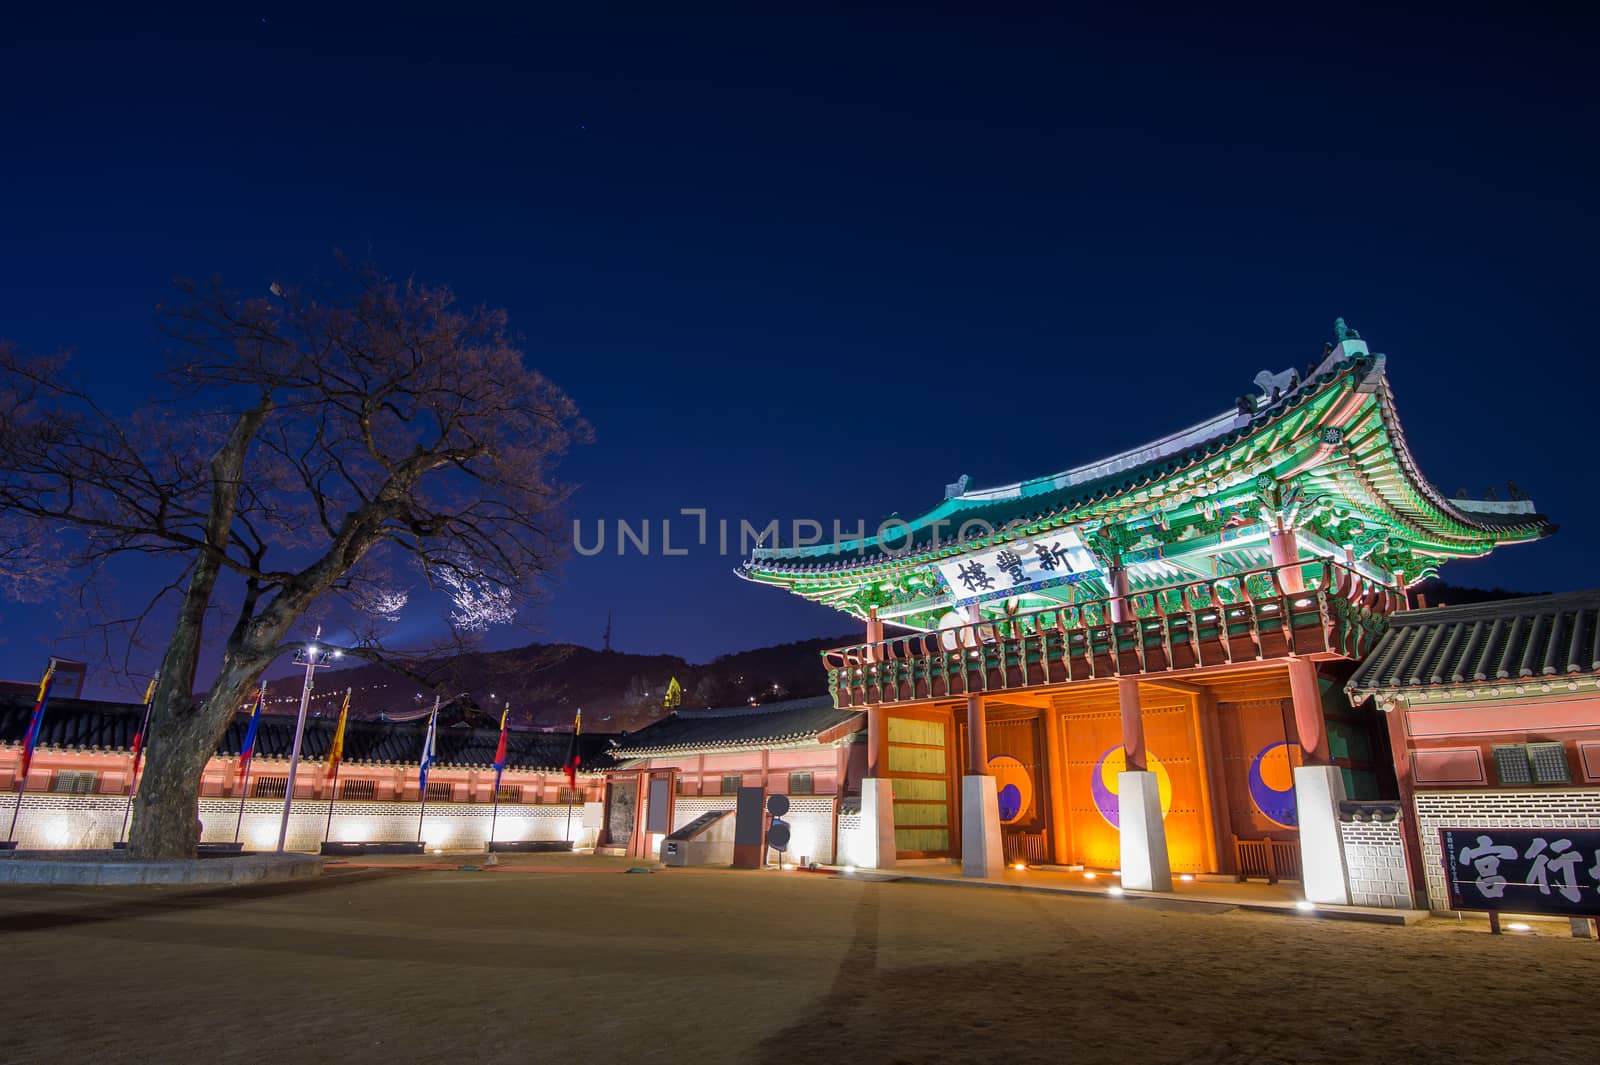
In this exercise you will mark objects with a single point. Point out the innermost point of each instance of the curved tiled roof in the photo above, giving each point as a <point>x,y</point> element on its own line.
<point>89,724</point>
<point>689,731</point>
<point>1057,497</point>
<point>1018,502</point>
<point>1534,637</point>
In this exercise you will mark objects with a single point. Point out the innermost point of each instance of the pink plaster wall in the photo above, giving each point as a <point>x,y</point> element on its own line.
<point>1572,714</point>
<point>220,778</point>
<point>1589,761</point>
<point>821,762</point>
<point>1459,765</point>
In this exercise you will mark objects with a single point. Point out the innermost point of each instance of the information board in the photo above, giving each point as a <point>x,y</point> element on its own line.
<point>1523,870</point>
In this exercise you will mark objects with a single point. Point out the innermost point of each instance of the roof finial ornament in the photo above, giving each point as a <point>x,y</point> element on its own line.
<point>1344,332</point>
<point>1274,386</point>
<point>959,488</point>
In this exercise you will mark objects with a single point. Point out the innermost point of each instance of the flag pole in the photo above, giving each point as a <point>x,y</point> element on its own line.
<point>494,814</point>
<point>138,751</point>
<point>247,760</point>
<point>572,772</point>
<point>21,787</point>
<point>427,762</point>
<point>333,790</point>
<point>28,745</point>
<point>499,757</point>
<point>337,757</point>
<point>244,790</point>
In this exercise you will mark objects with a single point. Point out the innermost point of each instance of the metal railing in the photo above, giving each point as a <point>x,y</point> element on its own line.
<point>1241,617</point>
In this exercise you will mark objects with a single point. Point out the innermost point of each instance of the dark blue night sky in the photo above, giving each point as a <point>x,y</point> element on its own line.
<point>821,267</point>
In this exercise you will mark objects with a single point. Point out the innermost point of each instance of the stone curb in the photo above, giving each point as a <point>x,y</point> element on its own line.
<point>249,869</point>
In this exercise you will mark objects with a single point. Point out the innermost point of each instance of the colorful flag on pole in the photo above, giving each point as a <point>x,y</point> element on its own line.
<point>336,748</point>
<point>32,739</point>
<point>500,751</point>
<point>572,750</point>
<point>247,749</point>
<point>427,752</point>
<point>144,725</point>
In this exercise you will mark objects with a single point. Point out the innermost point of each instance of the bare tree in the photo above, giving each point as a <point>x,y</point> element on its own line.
<point>318,451</point>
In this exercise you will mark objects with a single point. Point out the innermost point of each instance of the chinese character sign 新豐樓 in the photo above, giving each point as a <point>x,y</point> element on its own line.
<point>1047,558</point>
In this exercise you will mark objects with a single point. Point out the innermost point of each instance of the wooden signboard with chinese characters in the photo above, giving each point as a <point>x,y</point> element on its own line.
<point>1552,871</point>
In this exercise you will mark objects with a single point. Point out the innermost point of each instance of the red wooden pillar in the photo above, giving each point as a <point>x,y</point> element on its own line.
<point>877,742</point>
<point>1395,720</point>
<point>977,738</point>
<point>1309,722</point>
<point>1286,553</point>
<point>1127,687</point>
<point>1117,578</point>
<point>1132,722</point>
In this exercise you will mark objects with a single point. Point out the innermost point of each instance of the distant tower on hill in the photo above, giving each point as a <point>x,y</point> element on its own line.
<point>607,637</point>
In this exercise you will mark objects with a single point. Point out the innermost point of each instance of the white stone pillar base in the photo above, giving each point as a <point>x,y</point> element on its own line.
<point>1144,837</point>
<point>1318,790</point>
<point>878,848</point>
<point>981,851</point>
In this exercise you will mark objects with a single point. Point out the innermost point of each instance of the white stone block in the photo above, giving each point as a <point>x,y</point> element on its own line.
<point>1145,866</point>
<point>877,845</point>
<point>982,853</point>
<point>1318,790</point>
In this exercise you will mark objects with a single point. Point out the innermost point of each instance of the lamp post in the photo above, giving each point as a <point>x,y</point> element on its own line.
<point>311,656</point>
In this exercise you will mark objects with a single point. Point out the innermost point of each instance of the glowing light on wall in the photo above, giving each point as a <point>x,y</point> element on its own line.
<point>1013,786</point>
<point>1103,783</point>
<point>802,840</point>
<point>1271,779</point>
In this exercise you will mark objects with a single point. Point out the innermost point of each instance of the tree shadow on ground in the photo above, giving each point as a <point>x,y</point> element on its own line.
<point>120,907</point>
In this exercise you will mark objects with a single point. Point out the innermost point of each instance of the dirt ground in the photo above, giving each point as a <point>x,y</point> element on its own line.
<point>567,959</point>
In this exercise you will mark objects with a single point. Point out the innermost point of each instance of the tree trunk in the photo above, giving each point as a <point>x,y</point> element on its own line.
<point>183,736</point>
<point>167,811</point>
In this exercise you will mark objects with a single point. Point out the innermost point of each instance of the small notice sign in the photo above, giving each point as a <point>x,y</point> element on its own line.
<point>1523,870</point>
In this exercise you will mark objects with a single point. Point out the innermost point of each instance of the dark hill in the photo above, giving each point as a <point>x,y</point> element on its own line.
<point>546,683</point>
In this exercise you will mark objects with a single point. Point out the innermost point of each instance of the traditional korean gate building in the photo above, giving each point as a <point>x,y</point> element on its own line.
<point>1138,664</point>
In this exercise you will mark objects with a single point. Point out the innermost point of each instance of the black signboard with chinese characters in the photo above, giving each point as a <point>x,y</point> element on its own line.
<point>1523,870</point>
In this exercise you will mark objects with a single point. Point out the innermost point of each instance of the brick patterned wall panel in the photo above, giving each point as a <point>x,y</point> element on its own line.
<point>852,841</point>
<point>69,822</point>
<point>1531,808</point>
<point>810,820</point>
<point>689,807</point>
<point>1375,858</point>
<point>812,825</point>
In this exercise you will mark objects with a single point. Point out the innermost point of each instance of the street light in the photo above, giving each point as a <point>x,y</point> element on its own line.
<point>311,656</point>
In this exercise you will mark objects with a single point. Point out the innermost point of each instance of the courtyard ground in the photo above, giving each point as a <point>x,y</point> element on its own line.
<point>569,959</point>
